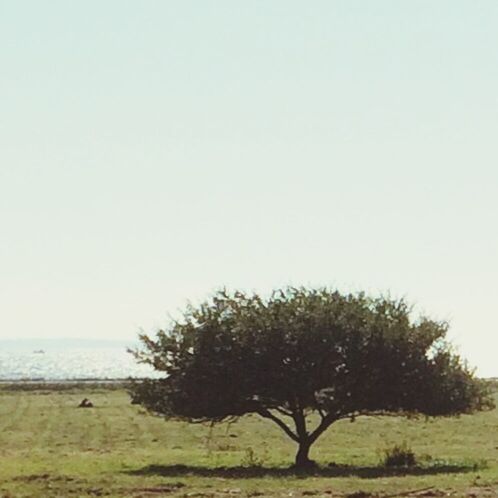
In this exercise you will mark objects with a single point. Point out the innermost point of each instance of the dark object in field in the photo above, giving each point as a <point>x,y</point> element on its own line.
<point>399,456</point>
<point>85,403</point>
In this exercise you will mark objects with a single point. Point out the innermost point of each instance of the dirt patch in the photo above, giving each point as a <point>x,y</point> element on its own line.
<point>44,477</point>
<point>428,492</point>
<point>482,492</point>
<point>32,477</point>
<point>158,490</point>
<point>473,492</point>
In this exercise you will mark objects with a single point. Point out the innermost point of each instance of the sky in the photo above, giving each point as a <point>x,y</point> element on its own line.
<point>154,151</point>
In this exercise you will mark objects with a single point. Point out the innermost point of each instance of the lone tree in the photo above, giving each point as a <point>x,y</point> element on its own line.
<point>300,352</point>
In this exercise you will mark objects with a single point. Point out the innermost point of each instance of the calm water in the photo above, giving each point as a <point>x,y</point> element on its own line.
<point>65,360</point>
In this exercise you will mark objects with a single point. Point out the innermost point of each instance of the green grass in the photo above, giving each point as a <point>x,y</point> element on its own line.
<point>49,447</point>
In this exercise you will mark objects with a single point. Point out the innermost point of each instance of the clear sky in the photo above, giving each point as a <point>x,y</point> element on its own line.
<point>152,151</point>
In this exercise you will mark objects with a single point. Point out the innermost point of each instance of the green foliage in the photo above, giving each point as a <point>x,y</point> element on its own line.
<point>400,455</point>
<point>301,351</point>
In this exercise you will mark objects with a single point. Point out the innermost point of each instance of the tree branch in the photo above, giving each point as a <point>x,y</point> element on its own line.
<point>326,422</point>
<point>299,419</point>
<point>265,413</point>
<point>319,408</point>
<point>374,413</point>
<point>283,412</point>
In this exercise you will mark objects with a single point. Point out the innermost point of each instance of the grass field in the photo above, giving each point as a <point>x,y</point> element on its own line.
<point>49,447</point>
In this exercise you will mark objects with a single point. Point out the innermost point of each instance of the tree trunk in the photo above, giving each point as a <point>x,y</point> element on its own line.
<point>302,457</point>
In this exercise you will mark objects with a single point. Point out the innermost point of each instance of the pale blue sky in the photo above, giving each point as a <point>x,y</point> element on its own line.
<point>152,151</point>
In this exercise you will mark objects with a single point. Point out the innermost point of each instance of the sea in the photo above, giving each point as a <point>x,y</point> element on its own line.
<point>69,359</point>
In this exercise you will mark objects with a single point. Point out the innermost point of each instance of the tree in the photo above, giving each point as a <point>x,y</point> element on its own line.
<point>300,352</point>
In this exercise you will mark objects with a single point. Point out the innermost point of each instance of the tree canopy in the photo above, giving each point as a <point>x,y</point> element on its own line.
<point>302,351</point>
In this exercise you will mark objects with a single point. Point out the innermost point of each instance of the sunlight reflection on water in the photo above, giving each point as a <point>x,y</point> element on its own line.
<point>71,364</point>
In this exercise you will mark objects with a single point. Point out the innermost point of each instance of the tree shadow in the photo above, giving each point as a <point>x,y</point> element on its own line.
<point>331,470</point>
